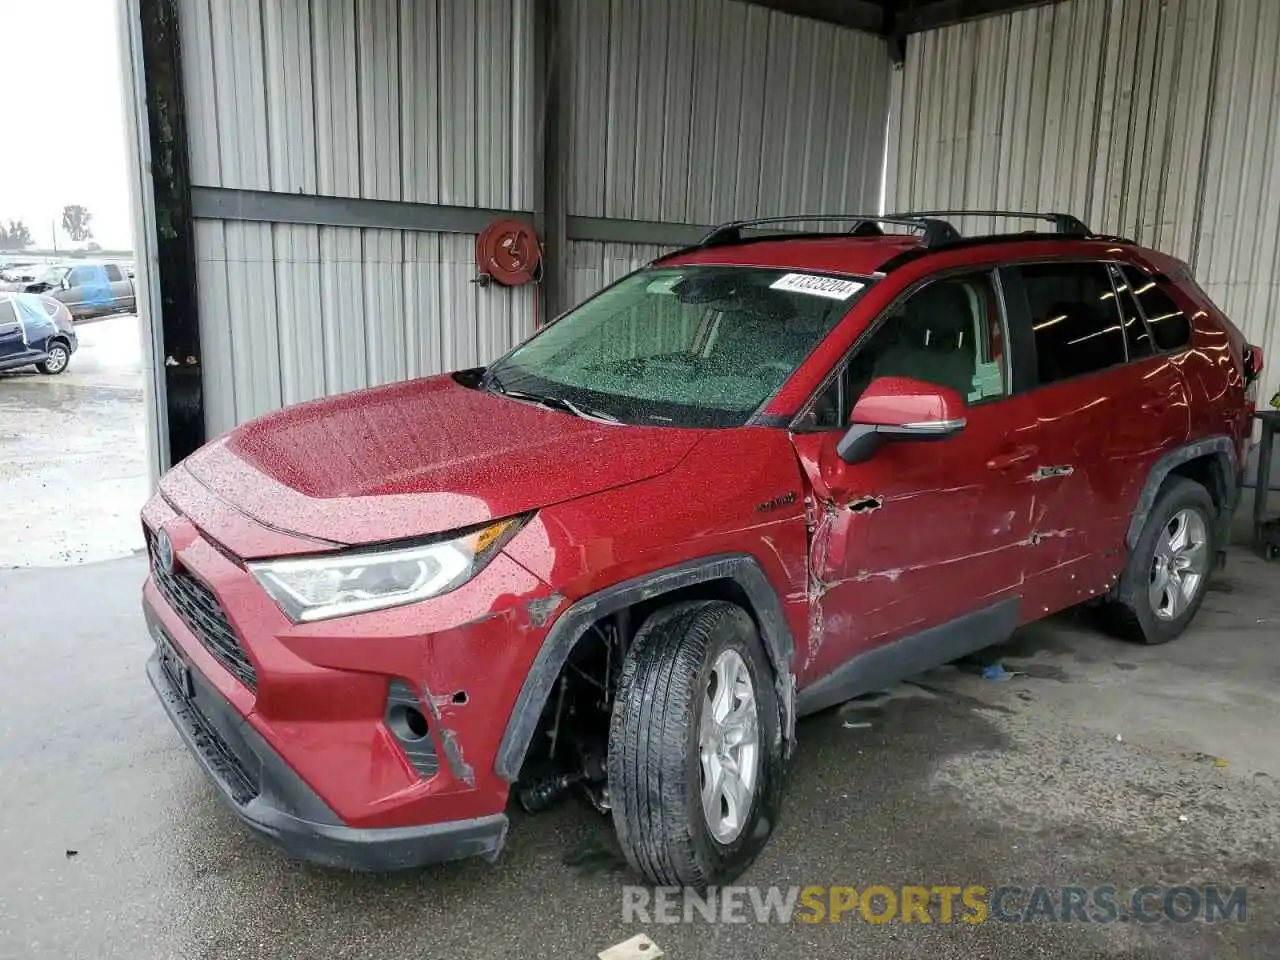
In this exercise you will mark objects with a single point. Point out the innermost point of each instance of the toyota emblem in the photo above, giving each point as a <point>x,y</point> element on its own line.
<point>164,553</point>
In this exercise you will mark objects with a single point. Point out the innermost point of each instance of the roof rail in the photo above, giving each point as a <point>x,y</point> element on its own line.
<point>1063,223</point>
<point>936,231</point>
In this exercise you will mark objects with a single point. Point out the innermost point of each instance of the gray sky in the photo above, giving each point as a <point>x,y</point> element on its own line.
<point>64,136</point>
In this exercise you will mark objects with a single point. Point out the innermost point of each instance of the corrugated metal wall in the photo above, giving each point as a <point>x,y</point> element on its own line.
<point>682,111</point>
<point>1155,119</point>
<point>699,111</point>
<point>702,111</point>
<point>423,101</point>
<point>593,266</point>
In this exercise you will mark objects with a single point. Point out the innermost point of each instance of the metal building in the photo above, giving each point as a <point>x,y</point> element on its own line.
<point>313,173</point>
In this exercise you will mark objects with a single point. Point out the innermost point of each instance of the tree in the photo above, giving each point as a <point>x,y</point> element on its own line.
<point>75,221</point>
<point>16,236</point>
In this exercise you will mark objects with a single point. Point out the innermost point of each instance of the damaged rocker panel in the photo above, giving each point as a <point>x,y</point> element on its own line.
<point>881,666</point>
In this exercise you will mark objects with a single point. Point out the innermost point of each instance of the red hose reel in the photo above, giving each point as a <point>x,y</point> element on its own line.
<point>508,253</point>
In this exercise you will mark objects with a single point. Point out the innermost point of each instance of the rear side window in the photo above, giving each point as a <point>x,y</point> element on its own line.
<point>1075,319</point>
<point>1170,327</point>
<point>1136,334</point>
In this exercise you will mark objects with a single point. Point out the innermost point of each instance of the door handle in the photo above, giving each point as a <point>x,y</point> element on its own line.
<point>1011,458</point>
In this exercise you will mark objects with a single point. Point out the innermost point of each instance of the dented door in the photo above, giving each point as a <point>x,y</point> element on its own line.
<point>917,535</point>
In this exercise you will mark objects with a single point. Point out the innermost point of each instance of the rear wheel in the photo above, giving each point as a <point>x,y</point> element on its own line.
<point>1168,571</point>
<point>694,746</point>
<point>57,359</point>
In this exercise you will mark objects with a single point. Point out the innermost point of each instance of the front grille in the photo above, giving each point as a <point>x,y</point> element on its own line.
<point>241,781</point>
<point>203,615</point>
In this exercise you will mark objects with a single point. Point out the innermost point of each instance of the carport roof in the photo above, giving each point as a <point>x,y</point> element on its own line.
<point>896,17</point>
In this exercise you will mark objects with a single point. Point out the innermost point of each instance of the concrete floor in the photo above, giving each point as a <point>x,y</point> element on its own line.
<point>1078,772</point>
<point>72,460</point>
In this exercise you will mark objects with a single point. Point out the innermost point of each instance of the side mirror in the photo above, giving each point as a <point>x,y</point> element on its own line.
<point>900,408</point>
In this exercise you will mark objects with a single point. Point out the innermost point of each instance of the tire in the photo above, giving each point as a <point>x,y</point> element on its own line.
<point>656,764</point>
<point>1135,613</point>
<point>57,360</point>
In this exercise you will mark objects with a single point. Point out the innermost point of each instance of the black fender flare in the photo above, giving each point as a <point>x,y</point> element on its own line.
<point>743,569</point>
<point>1226,475</point>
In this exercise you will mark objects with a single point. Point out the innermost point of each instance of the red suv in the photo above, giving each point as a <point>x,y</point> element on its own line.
<point>752,480</point>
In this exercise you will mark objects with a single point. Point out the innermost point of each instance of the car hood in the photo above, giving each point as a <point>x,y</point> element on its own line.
<point>417,458</point>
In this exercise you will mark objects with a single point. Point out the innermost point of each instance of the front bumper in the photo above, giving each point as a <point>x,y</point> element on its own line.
<point>312,749</point>
<point>274,802</point>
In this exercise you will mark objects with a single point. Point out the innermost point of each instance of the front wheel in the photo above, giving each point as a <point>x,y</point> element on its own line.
<point>56,360</point>
<point>695,746</point>
<point>1168,571</point>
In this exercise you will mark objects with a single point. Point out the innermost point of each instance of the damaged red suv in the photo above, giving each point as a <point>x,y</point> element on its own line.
<point>752,480</point>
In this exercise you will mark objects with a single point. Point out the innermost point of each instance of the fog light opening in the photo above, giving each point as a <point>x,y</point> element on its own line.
<point>407,723</point>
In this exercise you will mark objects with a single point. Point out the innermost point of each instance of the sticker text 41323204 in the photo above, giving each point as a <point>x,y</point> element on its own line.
<point>833,288</point>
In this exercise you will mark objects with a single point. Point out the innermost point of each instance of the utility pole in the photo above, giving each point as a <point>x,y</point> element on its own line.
<point>53,227</point>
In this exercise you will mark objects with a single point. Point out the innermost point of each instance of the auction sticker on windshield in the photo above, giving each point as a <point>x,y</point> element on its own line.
<point>831,287</point>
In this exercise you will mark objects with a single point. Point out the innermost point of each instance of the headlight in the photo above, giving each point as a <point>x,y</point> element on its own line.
<point>318,588</point>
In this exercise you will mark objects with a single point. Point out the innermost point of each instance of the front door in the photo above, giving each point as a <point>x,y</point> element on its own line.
<point>923,532</point>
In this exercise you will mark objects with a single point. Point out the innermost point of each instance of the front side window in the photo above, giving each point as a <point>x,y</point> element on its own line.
<point>1169,325</point>
<point>948,333</point>
<point>1074,317</point>
<point>686,346</point>
<point>113,272</point>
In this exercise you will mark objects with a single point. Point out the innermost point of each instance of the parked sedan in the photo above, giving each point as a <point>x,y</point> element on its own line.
<point>16,276</point>
<point>35,330</point>
<point>88,289</point>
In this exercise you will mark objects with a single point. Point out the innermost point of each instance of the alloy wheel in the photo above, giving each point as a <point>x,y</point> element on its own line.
<point>728,747</point>
<point>1180,564</point>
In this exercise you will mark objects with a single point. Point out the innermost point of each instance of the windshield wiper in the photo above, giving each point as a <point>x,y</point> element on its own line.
<point>578,411</point>
<point>489,381</point>
<point>558,403</point>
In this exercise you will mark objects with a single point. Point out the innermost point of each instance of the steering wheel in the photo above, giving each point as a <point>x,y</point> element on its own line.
<point>781,366</point>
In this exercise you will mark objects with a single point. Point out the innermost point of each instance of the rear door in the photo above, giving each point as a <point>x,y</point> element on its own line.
<point>12,344</point>
<point>90,291</point>
<point>38,327</point>
<point>922,532</point>
<point>1108,408</point>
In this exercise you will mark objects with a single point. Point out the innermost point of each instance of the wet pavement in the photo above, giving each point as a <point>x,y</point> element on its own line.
<point>1078,773</point>
<point>73,466</point>
<point>1099,763</point>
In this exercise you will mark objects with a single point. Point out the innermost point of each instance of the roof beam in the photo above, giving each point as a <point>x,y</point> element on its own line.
<point>864,15</point>
<point>917,16</point>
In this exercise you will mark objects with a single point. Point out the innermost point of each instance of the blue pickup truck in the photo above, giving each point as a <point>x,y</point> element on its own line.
<point>88,289</point>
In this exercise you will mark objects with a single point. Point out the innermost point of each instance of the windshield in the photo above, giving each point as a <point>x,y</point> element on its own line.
<point>53,275</point>
<point>690,346</point>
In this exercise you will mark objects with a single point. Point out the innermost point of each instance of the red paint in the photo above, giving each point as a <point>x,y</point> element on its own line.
<point>915,535</point>
<point>898,401</point>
